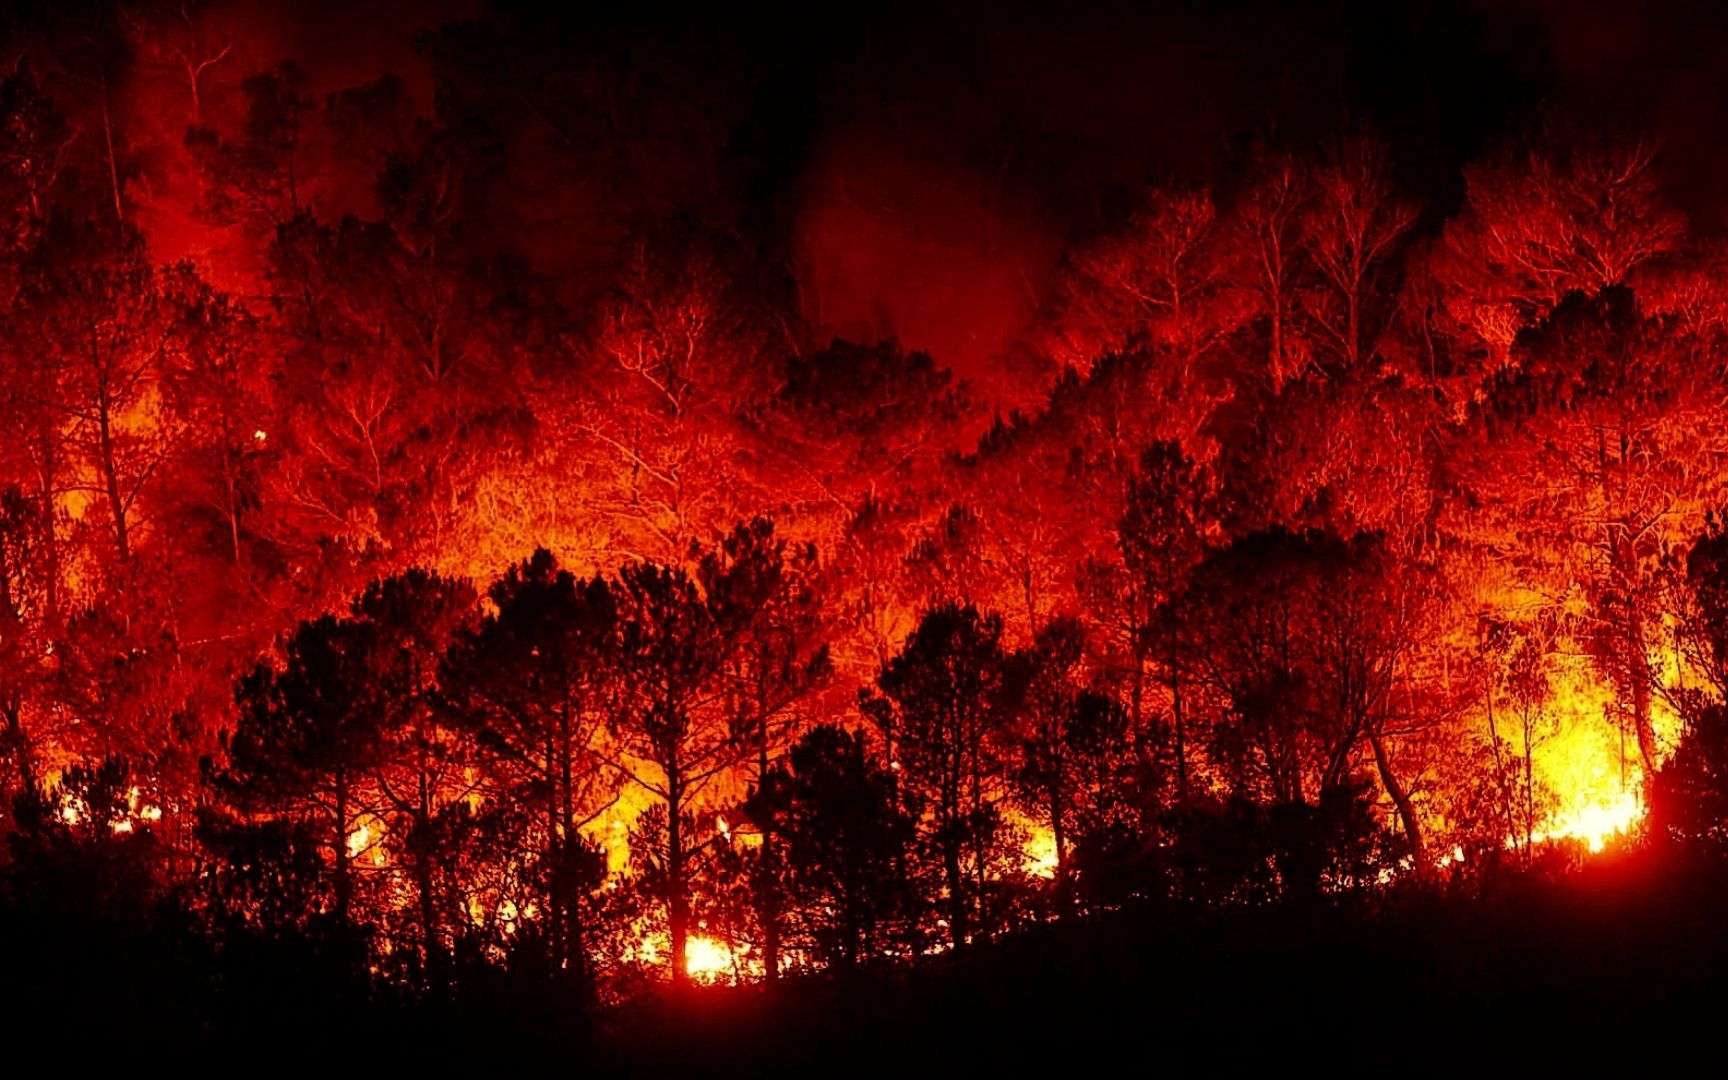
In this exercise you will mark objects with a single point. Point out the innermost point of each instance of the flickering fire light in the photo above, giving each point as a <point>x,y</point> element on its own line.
<point>558,508</point>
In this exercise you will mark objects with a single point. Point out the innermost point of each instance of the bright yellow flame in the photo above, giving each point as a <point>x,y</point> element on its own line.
<point>1589,763</point>
<point>1039,852</point>
<point>360,839</point>
<point>1037,843</point>
<point>1595,823</point>
<point>706,960</point>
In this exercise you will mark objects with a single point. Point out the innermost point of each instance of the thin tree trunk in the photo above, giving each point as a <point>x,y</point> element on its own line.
<point>769,895</point>
<point>20,746</point>
<point>554,889</point>
<point>232,502</point>
<point>1401,800</point>
<point>956,893</point>
<point>111,484</point>
<point>50,539</point>
<point>431,948</point>
<point>113,167</point>
<point>1057,837</point>
<point>677,900</point>
<point>948,820</point>
<point>1529,789</point>
<point>1501,780</point>
<point>1638,665</point>
<point>1179,722</point>
<point>344,885</point>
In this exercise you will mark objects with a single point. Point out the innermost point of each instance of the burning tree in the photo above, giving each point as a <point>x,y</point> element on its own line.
<point>307,744</point>
<point>942,708</point>
<point>846,833</point>
<point>1185,579</point>
<point>1592,450</point>
<point>770,592</point>
<point>534,682</point>
<point>24,598</point>
<point>1070,744</point>
<point>671,735</point>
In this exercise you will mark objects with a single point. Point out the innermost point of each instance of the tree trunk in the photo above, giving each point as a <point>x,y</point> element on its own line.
<point>1056,838</point>
<point>566,823</point>
<point>430,946</point>
<point>1509,784</point>
<point>554,890</point>
<point>50,539</point>
<point>344,886</point>
<point>111,483</point>
<point>570,900</point>
<point>231,509</point>
<point>1401,800</point>
<point>1529,788</point>
<point>768,901</point>
<point>1180,725</point>
<point>956,892</point>
<point>1638,665</point>
<point>677,899</point>
<point>1637,660</point>
<point>1137,688</point>
<point>1352,348</point>
<point>948,820</point>
<point>113,166</point>
<point>20,746</point>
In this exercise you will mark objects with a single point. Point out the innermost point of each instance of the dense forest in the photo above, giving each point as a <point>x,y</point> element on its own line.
<point>503,525</point>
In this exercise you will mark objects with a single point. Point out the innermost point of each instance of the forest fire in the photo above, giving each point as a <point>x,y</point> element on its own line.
<point>510,518</point>
<point>1588,761</point>
<point>1040,853</point>
<point>706,960</point>
<point>1597,823</point>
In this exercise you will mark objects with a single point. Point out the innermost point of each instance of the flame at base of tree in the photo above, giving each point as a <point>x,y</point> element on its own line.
<point>1597,823</point>
<point>1587,763</point>
<point>706,960</point>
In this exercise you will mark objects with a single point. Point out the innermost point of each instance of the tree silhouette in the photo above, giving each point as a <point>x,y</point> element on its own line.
<point>534,682</point>
<point>941,706</point>
<point>24,594</point>
<point>770,592</point>
<point>307,740</point>
<point>1689,797</point>
<point>1070,742</point>
<point>846,831</point>
<point>672,721</point>
<point>1161,537</point>
<point>422,790</point>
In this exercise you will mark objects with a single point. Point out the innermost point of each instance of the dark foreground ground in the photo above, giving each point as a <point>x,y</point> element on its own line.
<point>1611,970</point>
<point>1616,968</point>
